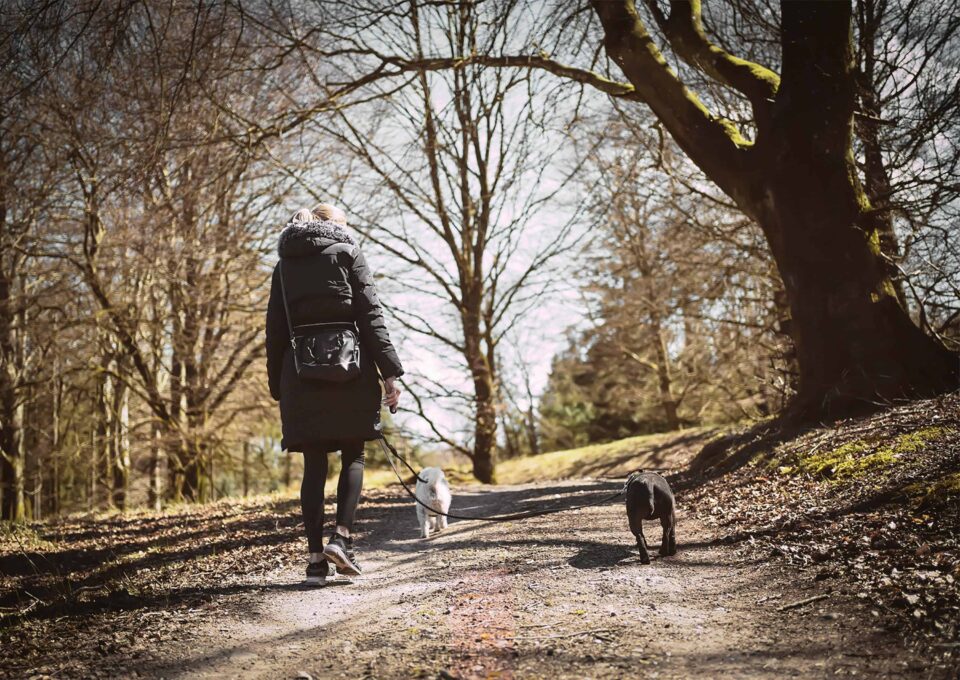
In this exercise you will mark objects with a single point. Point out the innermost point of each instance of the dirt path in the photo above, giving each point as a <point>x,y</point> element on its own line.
<point>562,596</point>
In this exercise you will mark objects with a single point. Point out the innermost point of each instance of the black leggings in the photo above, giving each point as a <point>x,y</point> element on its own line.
<point>348,488</point>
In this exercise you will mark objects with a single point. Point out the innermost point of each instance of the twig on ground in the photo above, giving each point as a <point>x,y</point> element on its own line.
<point>800,603</point>
<point>534,591</point>
<point>36,599</point>
<point>17,611</point>
<point>566,635</point>
<point>535,625</point>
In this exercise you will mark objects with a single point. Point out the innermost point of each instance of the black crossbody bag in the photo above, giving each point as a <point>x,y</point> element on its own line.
<point>328,352</point>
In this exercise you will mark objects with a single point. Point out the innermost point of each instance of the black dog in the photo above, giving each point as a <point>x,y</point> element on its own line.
<point>649,497</point>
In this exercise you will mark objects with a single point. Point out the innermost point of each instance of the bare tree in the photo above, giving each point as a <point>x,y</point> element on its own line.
<point>34,41</point>
<point>447,159</point>
<point>165,221</point>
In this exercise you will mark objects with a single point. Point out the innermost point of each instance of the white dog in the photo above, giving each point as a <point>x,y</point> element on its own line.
<point>434,492</point>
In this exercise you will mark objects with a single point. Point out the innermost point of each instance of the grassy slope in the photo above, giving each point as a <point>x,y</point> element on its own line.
<point>667,451</point>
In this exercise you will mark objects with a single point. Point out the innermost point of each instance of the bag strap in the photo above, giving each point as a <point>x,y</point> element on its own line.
<point>286,307</point>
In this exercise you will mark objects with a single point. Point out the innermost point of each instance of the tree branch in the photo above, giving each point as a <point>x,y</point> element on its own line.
<point>713,143</point>
<point>684,29</point>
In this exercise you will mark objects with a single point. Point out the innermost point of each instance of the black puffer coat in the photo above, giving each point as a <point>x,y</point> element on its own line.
<point>326,279</point>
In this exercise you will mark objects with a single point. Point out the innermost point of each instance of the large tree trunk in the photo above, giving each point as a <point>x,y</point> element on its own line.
<point>664,377</point>
<point>876,179</point>
<point>188,471</point>
<point>102,455</point>
<point>121,445</point>
<point>245,469</point>
<point>11,412</point>
<point>533,437</point>
<point>36,496</point>
<point>485,425</point>
<point>155,487</point>
<point>196,478</point>
<point>176,444</point>
<point>11,422</point>
<point>855,343</point>
<point>18,479</point>
<point>485,428</point>
<point>56,405</point>
<point>14,483</point>
<point>484,394</point>
<point>92,481</point>
<point>6,488</point>
<point>192,487</point>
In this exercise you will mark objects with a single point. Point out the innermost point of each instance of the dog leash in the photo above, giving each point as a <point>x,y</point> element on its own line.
<point>391,453</point>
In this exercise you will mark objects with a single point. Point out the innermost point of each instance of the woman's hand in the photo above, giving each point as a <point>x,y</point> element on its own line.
<point>392,396</point>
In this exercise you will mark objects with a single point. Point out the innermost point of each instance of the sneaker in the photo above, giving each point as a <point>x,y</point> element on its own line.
<point>339,550</point>
<point>317,573</point>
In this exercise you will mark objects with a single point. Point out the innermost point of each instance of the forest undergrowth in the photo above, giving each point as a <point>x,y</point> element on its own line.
<point>869,504</point>
<point>866,507</point>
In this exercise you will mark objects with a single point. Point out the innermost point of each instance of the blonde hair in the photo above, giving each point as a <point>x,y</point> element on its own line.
<point>328,211</point>
<point>303,215</point>
<point>323,212</point>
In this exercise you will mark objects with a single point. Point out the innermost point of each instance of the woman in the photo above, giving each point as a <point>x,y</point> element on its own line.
<point>326,279</point>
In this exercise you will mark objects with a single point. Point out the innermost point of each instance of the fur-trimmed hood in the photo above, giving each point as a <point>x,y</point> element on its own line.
<point>302,238</point>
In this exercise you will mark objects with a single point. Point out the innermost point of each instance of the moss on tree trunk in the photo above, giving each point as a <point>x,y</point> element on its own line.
<point>856,344</point>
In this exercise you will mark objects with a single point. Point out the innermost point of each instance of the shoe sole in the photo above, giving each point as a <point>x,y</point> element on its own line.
<point>338,557</point>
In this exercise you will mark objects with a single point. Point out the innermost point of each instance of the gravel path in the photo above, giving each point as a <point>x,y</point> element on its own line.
<point>563,596</point>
